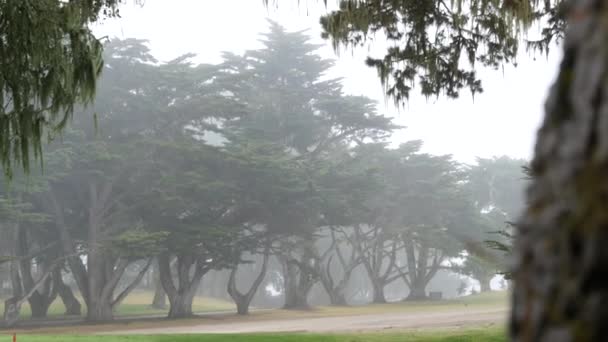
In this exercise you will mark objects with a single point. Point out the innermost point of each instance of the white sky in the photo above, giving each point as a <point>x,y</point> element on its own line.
<point>502,120</point>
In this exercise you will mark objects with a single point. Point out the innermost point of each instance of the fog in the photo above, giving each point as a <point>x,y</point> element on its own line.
<point>232,161</point>
<point>512,102</point>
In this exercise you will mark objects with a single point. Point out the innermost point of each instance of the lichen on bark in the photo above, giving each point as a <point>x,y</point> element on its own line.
<point>561,293</point>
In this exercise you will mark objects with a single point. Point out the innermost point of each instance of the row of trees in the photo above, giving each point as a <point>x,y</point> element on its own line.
<point>193,168</point>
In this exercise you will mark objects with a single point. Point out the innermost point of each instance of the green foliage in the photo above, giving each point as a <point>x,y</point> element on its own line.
<point>49,61</point>
<point>497,185</point>
<point>437,43</point>
<point>295,122</point>
<point>136,243</point>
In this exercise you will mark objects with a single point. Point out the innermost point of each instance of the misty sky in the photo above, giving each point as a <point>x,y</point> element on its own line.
<point>502,120</point>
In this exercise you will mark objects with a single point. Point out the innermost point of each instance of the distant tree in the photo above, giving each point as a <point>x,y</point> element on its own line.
<point>161,113</point>
<point>414,219</point>
<point>497,186</point>
<point>292,108</point>
<point>18,219</point>
<point>93,202</point>
<point>499,183</point>
<point>243,299</point>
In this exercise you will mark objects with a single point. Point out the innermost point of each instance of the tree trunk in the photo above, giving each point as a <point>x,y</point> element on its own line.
<point>41,299</point>
<point>290,284</point>
<point>160,296</point>
<point>378,288</point>
<point>181,296</point>
<point>243,300</point>
<point>40,303</point>
<point>72,305</point>
<point>560,284</point>
<point>336,288</point>
<point>298,283</point>
<point>417,291</point>
<point>299,301</point>
<point>484,284</point>
<point>99,311</point>
<point>181,305</point>
<point>12,306</point>
<point>337,297</point>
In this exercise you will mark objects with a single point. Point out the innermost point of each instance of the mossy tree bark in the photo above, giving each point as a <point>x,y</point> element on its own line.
<point>560,289</point>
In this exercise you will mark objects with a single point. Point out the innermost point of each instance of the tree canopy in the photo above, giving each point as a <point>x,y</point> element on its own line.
<point>49,63</point>
<point>435,45</point>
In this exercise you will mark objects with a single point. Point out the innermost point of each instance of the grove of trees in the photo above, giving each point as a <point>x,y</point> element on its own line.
<point>48,66</point>
<point>258,163</point>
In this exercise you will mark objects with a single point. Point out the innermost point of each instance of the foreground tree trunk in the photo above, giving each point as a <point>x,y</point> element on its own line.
<point>560,284</point>
<point>72,305</point>
<point>243,300</point>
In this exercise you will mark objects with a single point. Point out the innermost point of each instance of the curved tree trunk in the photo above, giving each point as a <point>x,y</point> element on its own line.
<point>190,272</point>
<point>560,284</point>
<point>41,300</point>
<point>333,285</point>
<point>12,306</point>
<point>72,305</point>
<point>243,300</point>
<point>337,297</point>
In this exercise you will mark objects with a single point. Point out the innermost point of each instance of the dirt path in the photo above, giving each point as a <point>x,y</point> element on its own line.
<point>366,322</point>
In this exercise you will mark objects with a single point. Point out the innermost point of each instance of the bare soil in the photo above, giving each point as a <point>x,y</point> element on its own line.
<point>466,317</point>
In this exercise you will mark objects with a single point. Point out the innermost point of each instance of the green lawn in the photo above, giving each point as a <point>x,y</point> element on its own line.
<point>136,304</point>
<point>479,335</point>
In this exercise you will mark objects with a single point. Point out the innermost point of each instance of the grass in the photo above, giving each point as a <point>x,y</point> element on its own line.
<point>136,304</point>
<point>475,335</point>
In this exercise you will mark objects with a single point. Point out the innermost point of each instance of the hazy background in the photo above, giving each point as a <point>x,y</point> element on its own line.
<point>502,120</point>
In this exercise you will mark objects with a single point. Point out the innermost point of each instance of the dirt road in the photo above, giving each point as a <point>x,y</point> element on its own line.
<point>366,322</point>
